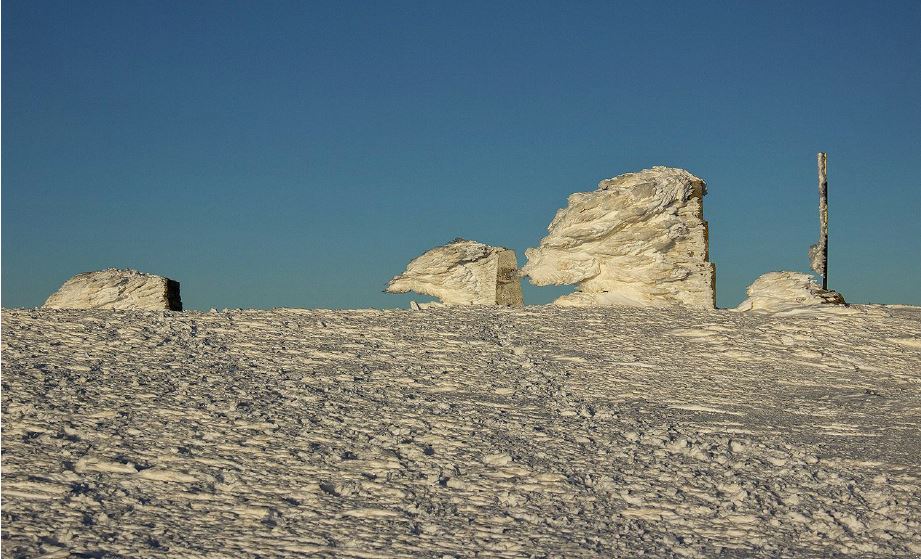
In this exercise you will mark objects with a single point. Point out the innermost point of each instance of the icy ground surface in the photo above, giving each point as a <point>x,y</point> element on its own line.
<point>451,432</point>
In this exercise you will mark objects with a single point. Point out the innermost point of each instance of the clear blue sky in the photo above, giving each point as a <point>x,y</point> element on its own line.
<point>301,153</point>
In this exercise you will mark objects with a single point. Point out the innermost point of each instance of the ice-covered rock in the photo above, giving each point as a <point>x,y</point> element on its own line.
<point>639,239</point>
<point>115,288</point>
<point>463,273</point>
<point>783,291</point>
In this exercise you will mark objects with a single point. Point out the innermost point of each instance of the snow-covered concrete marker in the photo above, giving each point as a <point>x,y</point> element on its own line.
<point>463,273</point>
<point>639,239</point>
<point>115,288</point>
<point>786,291</point>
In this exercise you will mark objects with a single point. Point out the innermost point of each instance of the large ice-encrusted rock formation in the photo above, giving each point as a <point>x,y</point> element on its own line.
<point>115,288</point>
<point>782,291</point>
<point>639,239</point>
<point>463,273</point>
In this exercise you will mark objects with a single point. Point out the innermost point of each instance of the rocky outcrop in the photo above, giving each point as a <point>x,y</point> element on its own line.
<point>783,291</point>
<point>117,289</point>
<point>463,273</point>
<point>639,239</point>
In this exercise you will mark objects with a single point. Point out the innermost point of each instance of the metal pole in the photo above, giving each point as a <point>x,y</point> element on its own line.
<point>823,215</point>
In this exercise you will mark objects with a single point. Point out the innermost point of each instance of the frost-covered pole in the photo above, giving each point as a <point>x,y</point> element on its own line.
<point>818,253</point>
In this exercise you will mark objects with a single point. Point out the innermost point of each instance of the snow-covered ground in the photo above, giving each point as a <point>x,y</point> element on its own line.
<point>461,431</point>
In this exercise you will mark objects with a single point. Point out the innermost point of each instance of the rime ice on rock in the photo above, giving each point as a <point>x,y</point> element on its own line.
<point>639,239</point>
<point>114,288</point>
<point>780,291</point>
<point>463,273</point>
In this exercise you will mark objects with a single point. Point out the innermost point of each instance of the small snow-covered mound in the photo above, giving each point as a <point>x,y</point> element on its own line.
<point>784,291</point>
<point>463,272</point>
<point>114,288</point>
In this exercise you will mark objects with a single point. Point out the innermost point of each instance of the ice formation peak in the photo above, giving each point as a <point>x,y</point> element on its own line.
<point>463,272</point>
<point>639,239</point>
<point>784,291</point>
<point>115,288</point>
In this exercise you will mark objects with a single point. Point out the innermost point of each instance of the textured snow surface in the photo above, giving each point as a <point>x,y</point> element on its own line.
<point>463,272</point>
<point>639,239</point>
<point>115,288</point>
<point>789,292</point>
<point>542,431</point>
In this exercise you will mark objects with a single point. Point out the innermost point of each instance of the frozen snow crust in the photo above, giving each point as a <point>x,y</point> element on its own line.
<point>639,239</point>
<point>542,431</point>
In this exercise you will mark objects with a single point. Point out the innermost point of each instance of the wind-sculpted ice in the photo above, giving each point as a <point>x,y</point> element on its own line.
<point>786,291</point>
<point>639,239</point>
<point>463,273</point>
<point>114,288</point>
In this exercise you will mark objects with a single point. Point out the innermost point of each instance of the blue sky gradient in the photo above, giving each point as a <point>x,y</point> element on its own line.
<point>301,153</point>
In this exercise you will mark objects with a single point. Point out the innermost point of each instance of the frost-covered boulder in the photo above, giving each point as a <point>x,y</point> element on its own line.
<point>463,273</point>
<point>114,288</point>
<point>783,291</point>
<point>639,239</point>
